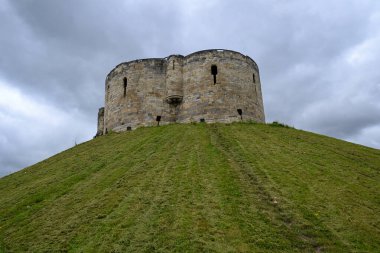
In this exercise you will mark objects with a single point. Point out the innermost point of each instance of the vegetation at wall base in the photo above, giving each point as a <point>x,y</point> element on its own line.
<point>278,124</point>
<point>239,187</point>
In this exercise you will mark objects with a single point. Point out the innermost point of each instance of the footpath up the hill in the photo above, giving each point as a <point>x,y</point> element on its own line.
<point>241,187</point>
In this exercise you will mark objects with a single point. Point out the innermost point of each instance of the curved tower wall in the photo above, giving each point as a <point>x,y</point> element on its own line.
<point>182,89</point>
<point>174,86</point>
<point>144,93</point>
<point>174,77</point>
<point>235,88</point>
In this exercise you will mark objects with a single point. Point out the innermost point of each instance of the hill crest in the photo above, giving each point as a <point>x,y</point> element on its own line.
<point>197,187</point>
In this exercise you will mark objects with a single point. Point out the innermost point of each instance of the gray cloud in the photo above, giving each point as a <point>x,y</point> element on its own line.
<point>318,62</point>
<point>65,48</point>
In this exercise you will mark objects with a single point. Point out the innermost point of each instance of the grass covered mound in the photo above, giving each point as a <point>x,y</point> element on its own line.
<point>197,187</point>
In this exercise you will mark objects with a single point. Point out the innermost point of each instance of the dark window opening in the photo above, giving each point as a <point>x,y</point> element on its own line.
<point>125,80</point>
<point>173,64</point>
<point>214,72</point>
<point>158,119</point>
<point>240,111</point>
<point>202,120</point>
<point>253,78</point>
<point>129,128</point>
<point>106,130</point>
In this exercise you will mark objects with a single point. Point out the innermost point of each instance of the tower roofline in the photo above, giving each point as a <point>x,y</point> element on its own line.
<point>185,57</point>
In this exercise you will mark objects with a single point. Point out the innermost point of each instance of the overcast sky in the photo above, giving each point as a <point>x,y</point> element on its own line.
<point>319,62</point>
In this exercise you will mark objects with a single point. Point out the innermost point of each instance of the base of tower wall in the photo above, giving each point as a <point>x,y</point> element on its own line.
<point>195,119</point>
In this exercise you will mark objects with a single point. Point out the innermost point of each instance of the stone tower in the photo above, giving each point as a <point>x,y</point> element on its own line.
<point>206,86</point>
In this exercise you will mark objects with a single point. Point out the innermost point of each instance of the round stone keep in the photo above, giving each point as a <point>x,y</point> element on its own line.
<point>206,86</point>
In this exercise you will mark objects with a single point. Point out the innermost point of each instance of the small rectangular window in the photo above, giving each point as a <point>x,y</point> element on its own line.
<point>240,112</point>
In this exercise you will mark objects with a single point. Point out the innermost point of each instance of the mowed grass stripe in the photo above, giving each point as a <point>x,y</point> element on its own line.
<point>335,182</point>
<point>319,186</point>
<point>60,176</point>
<point>258,198</point>
<point>74,208</point>
<point>137,202</point>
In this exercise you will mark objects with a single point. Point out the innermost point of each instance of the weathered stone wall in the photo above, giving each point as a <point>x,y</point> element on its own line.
<point>100,121</point>
<point>174,86</point>
<point>234,88</point>
<point>144,94</point>
<point>182,89</point>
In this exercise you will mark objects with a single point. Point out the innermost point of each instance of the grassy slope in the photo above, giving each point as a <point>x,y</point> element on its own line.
<point>239,187</point>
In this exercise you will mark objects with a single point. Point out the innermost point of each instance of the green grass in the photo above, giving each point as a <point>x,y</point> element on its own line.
<point>196,188</point>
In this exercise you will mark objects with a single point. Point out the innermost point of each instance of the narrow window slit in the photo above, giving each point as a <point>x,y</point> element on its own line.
<point>125,80</point>
<point>253,78</point>
<point>158,119</point>
<point>214,72</point>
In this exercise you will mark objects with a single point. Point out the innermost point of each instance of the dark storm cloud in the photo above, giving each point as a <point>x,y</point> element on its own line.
<point>64,49</point>
<point>318,61</point>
